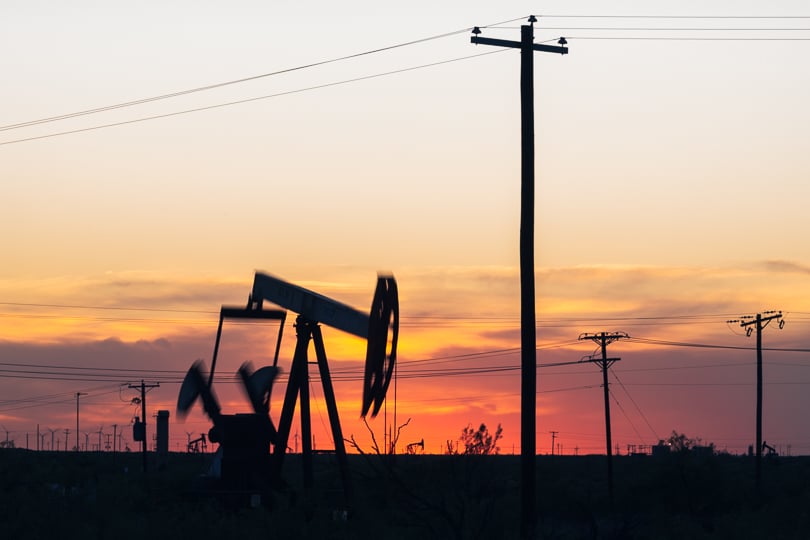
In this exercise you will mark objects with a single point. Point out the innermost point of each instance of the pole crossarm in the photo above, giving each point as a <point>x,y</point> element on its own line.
<point>595,360</point>
<point>764,319</point>
<point>607,337</point>
<point>478,40</point>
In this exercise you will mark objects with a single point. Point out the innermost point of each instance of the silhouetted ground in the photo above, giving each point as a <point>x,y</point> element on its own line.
<point>95,496</point>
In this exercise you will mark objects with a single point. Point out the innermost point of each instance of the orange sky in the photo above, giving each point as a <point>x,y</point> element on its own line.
<point>658,389</point>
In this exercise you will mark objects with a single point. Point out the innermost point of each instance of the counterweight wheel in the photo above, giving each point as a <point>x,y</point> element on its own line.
<point>380,361</point>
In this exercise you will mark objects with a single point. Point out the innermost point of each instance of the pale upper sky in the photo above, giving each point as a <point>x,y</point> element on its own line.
<point>665,157</point>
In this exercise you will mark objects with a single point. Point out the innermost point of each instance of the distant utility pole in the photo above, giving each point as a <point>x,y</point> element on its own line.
<point>528,328</point>
<point>553,437</point>
<point>77,418</point>
<point>67,432</point>
<point>759,322</point>
<point>143,386</point>
<point>604,339</point>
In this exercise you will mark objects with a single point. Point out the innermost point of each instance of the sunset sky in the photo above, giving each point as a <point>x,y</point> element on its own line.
<point>672,188</point>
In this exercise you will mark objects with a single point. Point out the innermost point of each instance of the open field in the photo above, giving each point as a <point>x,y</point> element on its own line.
<point>90,495</point>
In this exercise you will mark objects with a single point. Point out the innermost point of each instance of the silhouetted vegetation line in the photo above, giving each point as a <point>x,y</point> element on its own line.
<point>681,495</point>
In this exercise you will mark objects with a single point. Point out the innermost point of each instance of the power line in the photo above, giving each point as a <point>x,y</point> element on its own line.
<point>94,374</point>
<point>247,100</point>
<point>764,17</point>
<point>710,346</point>
<point>684,38</point>
<point>204,88</point>
<point>222,84</point>
<point>412,321</point>
<point>114,308</point>
<point>347,81</point>
<point>675,29</point>
<point>632,425</point>
<point>633,401</point>
<point>706,318</point>
<point>51,396</point>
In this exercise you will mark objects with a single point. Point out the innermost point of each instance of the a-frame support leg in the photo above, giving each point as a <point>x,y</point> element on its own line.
<point>298,383</point>
<point>334,419</point>
<point>299,377</point>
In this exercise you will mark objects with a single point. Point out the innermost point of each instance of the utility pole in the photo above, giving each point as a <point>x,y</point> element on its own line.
<point>749,322</point>
<point>553,437</point>
<point>603,339</point>
<point>67,432</point>
<point>143,386</point>
<point>77,418</point>
<point>528,323</point>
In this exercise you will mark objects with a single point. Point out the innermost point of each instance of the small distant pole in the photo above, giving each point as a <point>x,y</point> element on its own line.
<point>604,339</point>
<point>553,437</point>
<point>759,321</point>
<point>77,418</point>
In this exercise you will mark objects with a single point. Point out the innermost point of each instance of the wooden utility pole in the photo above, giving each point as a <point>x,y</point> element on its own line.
<point>759,322</point>
<point>528,328</point>
<point>603,339</point>
<point>143,386</point>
